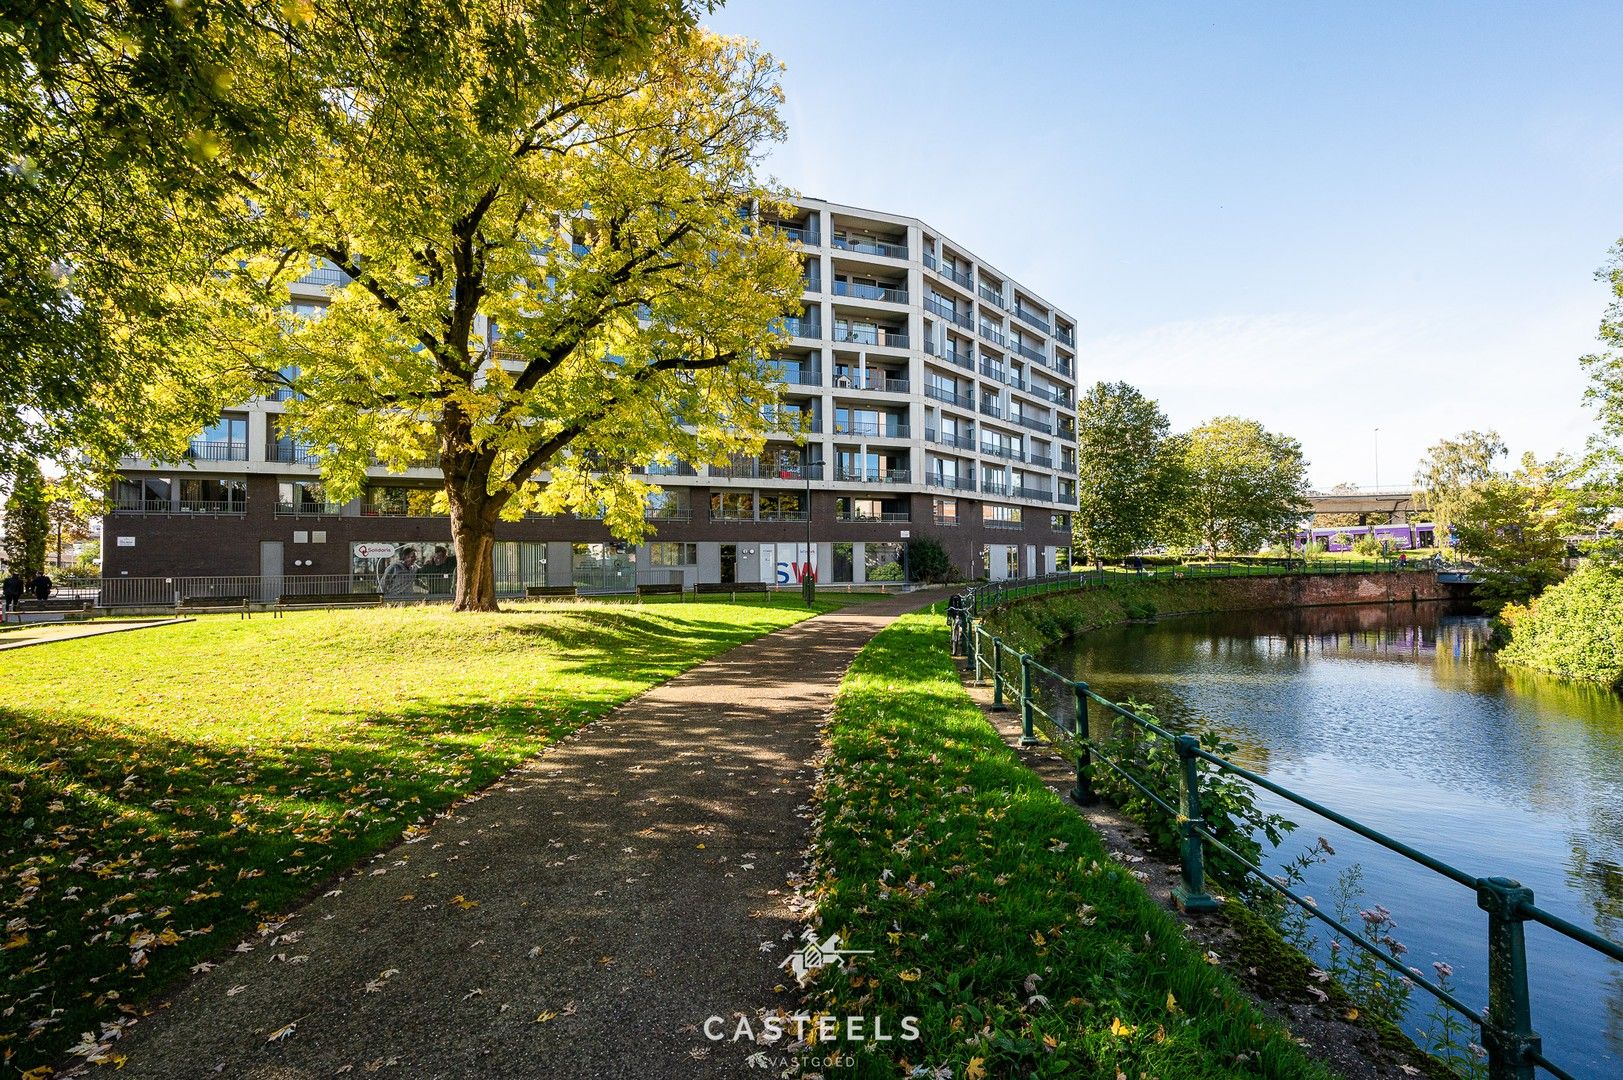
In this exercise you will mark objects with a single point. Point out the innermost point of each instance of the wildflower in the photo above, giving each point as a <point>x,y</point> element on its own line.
<point>1324,846</point>
<point>1442,969</point>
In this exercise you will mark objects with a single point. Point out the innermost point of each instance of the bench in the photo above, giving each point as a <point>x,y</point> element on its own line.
<point>66,603</point>
<point>731,588</point>
<point>212,603</point>
<point>673,588</point>
<point>533,591</point>
<point>296,601</point>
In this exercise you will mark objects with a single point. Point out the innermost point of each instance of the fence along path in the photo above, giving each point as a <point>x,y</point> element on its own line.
<point>1515,1051</point>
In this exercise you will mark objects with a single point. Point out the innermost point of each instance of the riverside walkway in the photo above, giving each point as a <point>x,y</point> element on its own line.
<point>584,918</point>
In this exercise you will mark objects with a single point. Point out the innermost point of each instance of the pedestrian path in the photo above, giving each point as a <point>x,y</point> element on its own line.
<point>583,919</point>
<point>46,633</point>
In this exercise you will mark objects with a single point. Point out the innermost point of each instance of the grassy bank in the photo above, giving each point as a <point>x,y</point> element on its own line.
<point>994,913</point>
<point>1035,626</point>
<point>165,790</point>
<point>1573,630</point>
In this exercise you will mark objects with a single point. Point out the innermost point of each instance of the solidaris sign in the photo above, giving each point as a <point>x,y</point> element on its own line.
<point>372,550</point>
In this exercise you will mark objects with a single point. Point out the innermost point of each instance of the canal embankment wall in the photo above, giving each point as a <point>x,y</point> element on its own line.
<point>1036,623</point>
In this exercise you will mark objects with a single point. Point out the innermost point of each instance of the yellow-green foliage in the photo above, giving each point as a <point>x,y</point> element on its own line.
<point>1574,629</point>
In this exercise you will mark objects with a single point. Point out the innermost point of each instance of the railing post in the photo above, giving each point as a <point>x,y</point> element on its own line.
<point>1508,1032</point>
<point>974,647</point>
<point>997,676</point>
<point>1082,794</point>
<point>1190,893</point>
<point>1028,737</point>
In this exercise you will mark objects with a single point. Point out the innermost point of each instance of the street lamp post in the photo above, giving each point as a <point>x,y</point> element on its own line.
<point>808,582</point>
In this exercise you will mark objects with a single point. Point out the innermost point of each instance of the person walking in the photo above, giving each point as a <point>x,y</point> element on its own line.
<point>11,590</point>
<point>41,586</point>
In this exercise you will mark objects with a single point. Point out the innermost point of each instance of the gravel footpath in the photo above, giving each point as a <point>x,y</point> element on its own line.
<point>582,919</point>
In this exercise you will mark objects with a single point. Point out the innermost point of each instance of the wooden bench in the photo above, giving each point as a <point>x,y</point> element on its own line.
<point>672,588</point>
<point>297,601</point>
<point>66,603</point>
<point>204,604</point>
<point>531,592</point>
<point>731,588</point>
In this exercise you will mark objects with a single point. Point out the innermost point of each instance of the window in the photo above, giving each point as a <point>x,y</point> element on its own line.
<point>214,494</point>
<point>152,493</point>
<point>883,561</point>
<point>946,511</point>
<point>400,501</point>
<point>303,497</point>
<point>1059,522</point>
<point>844,562</point>
<point>732,505</point>
<point>673,554</point>
<point>994,512</point>
<point>1012,560</point>
<point>668,504</point>
<point>782,506</point>
<point>1062,560</point>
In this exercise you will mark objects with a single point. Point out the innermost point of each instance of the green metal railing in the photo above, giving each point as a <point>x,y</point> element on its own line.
<point>1514,1049</point>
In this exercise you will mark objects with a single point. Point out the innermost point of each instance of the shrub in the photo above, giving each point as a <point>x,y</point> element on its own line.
<point>928,561</point>
<point>888,572</point>
<point>1574,629</point>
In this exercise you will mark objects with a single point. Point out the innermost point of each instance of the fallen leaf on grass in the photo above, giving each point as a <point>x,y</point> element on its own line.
<point>235,990</point>
<point>282,1032</point>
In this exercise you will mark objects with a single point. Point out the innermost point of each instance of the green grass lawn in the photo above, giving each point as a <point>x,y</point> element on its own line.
<point>165,790</point>
<point>995,914</point>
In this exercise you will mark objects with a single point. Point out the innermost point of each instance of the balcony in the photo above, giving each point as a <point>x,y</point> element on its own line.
<point>868,246</point>
<point>881,337</point>
<point>872,381</point>
<point>288,453</point>
<point>800,377</point>
<point>952,315</point>
<point>1010,453</point>
<point>888,294</point>
<point>962,401</point>
<point>668,513</point>
<point>1042,461</point>
<point>325,275</point>
<point>958,277</point>
<point>950,483</point>
<point>781,515</point>
<point>665,468</point>
<point>1011,526</point>
<point>1033,423</point>
<point>869,427</point>
<point>1039,494</point>
<point>1057,397</point>
<point>994,487</point>
<point>993,334</point>
<point>991,408</point>
<point>1065,337</point>
<point>992,296</point>
<point>873,476</point>
<point>995,372</point>
<point>213,506</point>
<point>800,326</point>
<point>142,506</point>
<point>1039,321</point>
<point>1031,354</point>
<point>308,509</point>
<point>942,519</point>
<point>858,515</point>
<point>800,234</point>
<point>961,442</point>
<point>216,450</point>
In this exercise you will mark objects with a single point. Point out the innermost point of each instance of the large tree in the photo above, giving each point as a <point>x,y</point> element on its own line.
<point>1452,472</point>
<point>1127,471</point>
<point>127,127</point>
<point>1243,486</point>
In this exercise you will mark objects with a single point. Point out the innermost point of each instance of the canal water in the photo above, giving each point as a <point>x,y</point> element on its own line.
<point>1399,717</point>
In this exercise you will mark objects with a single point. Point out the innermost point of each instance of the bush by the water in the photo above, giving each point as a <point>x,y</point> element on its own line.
<point>1574,629</point>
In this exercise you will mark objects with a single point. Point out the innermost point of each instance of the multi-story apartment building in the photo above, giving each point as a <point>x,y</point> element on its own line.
<point>936,394</point>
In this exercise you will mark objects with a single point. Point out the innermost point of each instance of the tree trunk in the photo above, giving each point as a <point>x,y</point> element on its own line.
<point>473,535</point>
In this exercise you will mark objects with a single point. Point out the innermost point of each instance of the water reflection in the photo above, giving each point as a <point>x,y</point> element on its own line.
<point>1399,715</point>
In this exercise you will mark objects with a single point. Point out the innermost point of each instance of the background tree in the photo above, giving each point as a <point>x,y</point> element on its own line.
<point>1127,471</point>
<point>927,560</point>
<point>66,525</point>
<point>27,521</point>
<point>1242,486</point>
<point>1515,527</point>
<point>1452,472</point>
<point>1605,395</point>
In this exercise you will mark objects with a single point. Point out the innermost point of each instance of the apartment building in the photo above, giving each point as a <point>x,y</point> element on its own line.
<point>937,396</point>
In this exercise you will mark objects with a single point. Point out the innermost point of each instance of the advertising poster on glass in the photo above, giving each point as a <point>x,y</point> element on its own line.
<point>404,570</point>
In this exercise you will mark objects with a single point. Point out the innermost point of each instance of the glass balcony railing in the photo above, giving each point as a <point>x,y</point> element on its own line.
<point>1065,336</point>
<point>990,486</point>
<point>871,427</point>
<point>799,326</point>
<point>869,246</point>
<point>1036,493</point>
<point>863,515</point>
<point>890,294</point>
<point>308,509</point>
<point>288,453</point>
<point>962,401</point>
<point>1039,321</point>
<point>1029,353</point>
<point>993,334</point>
<point>991,295</point>
<point>962,442</point>
<point>1012,453</point>
<point>950,483</point>
<point>1034,424</point>
<point>991,408</point>
<point>800,234</point>
<point>881,337</point>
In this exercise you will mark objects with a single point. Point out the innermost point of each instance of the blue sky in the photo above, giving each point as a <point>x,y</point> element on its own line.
<point>1331,218</point>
